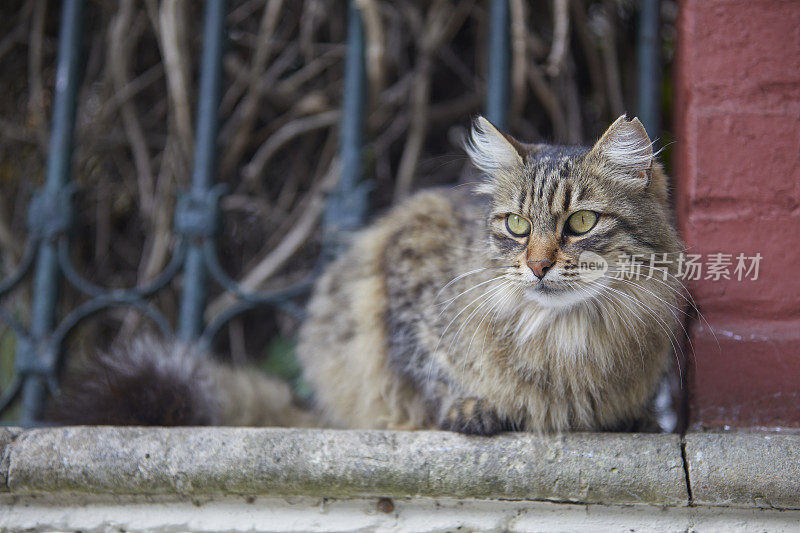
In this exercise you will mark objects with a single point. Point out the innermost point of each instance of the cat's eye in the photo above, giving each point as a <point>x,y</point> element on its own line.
<point>517,225</point>
<point>581,221</point>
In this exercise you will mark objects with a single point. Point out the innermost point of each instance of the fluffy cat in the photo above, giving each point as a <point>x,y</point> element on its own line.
<point>466,311</point>
<point>472,310</point>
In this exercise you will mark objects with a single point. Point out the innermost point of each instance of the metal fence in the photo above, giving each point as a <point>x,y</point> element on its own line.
<point>50,214</point>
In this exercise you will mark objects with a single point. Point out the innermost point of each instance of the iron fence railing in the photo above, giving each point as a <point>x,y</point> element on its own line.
<point>50,213</point>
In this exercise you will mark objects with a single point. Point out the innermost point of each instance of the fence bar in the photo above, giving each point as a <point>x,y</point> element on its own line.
<point>59,163</point>
<point>497,70</point>
<point>195,274</point>
<point>346,207</point>
<point>649,56</point>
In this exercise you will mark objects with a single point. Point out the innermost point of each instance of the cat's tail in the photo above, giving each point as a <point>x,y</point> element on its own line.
<point>151,382</point>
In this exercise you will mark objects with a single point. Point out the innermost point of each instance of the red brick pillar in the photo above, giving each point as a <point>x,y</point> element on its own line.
<point>738,191</point>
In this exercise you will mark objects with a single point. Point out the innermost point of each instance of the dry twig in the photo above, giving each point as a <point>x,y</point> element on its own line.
<point>247,111</point>
<point>558,50</point>
<point>119,41</point>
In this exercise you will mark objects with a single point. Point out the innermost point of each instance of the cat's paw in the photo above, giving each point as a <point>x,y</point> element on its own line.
<point>471,416</point>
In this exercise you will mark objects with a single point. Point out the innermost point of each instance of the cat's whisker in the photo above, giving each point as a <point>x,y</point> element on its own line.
<point>444,332</point>
<point>478,326</point>
<point>514,292</point>
<point>494,306</point>
<point>642,305</point>
<point>480,322</point>
<point>642,287</point>
<point>685,294</point>
<point>607,289</point>
<point>663,325</point>
<point>672,306</point>
<point>477,309</point>
<point>449,302</point>
<point>613,306</point>
<point>465,274</point>
<point>680,322</point>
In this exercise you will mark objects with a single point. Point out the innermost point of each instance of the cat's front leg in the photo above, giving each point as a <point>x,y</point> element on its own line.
<point>471,416</point>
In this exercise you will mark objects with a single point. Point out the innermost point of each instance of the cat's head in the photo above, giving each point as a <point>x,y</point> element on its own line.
<point>563,218</point>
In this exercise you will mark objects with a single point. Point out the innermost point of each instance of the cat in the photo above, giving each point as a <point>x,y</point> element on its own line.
<point>469,310</point>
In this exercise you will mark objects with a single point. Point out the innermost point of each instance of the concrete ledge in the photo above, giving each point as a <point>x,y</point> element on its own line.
<point>583,468</point>
<point>747,470</point>
<point>758,471</point>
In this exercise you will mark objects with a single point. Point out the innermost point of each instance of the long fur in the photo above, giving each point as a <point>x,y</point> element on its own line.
<point>432,319</point>
<point>143,382</point>
<point>489,151</point>
<point>150,381</point>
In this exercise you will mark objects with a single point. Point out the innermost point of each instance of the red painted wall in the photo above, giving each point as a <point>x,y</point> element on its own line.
<point>738,190</point>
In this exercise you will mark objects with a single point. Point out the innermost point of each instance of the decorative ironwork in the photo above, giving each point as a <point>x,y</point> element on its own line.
<point>497,68</point>
<point>48,215</point>
<point>196,222</point>
<point>197,215</point>
<point>649,66</point>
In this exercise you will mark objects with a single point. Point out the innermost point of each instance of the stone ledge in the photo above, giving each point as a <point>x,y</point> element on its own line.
<point>744,469</point>
<point>753,470</point>
<point>578,467</point>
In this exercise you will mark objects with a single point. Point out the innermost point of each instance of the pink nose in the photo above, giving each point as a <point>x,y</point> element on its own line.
<point>540,268</point>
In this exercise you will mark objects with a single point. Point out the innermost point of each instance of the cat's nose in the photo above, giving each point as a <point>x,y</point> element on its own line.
<point>541,267</point>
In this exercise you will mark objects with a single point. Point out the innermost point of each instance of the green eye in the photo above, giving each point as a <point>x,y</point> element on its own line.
<point>517,226</point>
<point>581,221</point>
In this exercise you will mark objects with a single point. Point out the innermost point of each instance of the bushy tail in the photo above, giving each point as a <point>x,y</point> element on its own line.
<point>151,382</point>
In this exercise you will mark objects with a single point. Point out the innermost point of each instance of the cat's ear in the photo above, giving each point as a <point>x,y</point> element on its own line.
<point>625,152</point>
<point>492,151</point>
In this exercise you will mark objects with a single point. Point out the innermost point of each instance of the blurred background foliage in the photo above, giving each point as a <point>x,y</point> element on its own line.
<point>573,71</point>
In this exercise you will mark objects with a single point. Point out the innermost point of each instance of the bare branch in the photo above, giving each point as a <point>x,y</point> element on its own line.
<point>441,21</point>
<point>549,102</point>
<point>247,111</point>
<point>170,23</point>
<point>120,43</point>
<point>375,48</point>
<point>558,50</point>
<point>610,60</point>
<point>519,56</point>
<point>285,134</point>
<point>590,53</point>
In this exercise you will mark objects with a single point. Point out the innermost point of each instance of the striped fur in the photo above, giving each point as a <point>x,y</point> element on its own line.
<point>434,319</point>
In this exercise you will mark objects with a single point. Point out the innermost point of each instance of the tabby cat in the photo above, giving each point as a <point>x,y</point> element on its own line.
<point>472,310</point>
<point>467,310</point>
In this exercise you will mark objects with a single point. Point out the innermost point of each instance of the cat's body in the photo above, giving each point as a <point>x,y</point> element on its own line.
<point>471,312</point>
<point>421,325</point>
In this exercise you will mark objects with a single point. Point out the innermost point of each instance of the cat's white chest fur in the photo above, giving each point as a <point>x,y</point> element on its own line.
<point>556,333</point>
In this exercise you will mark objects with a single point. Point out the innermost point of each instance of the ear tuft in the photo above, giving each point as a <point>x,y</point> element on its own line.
<point>489,150</point>
<point>626,149</point>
